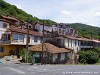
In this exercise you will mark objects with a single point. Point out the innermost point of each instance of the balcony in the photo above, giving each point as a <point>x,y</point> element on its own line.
<point>86,46</point>
<point>5,42</point>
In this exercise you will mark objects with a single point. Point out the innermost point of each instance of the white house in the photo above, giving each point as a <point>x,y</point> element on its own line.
<point>39,27</point>
<point>52,53</point>
<point>13,38</point>
<point>72,43</point>
<point>65,29</point>
<point>19,36</point>
<point>78,43</point>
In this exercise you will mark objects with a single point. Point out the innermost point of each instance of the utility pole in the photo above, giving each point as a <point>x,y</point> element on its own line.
<point>27,41</point>
<point>42,60</point>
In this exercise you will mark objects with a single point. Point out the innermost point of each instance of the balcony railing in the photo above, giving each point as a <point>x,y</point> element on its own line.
<point>5,42</point>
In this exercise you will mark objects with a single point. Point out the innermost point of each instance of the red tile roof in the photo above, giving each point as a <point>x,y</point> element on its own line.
<point>76,38</point>
<point>9,18</point>
<point>70,37</point>
<point>24,31</point>
<point>83,39</point>
<point>97,41</point>
<point>49,48</point>
<point>5,20</point>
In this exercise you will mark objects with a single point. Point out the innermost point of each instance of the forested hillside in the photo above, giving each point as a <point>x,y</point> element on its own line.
<point>86,30</point>
<point>12,10</point>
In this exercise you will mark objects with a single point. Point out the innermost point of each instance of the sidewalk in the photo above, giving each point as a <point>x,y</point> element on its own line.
<point>11,59</point>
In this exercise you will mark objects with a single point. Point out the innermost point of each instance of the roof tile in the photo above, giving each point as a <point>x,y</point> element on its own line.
<point>49,48</point>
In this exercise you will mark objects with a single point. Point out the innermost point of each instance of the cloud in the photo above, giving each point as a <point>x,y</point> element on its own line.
<point>66,12</point>
<point>19,6</point>
<point>97,13</point>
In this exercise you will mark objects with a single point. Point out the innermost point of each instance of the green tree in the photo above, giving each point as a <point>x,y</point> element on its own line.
<point>88,57</point>
<point>97,50</point>
<point>22,53</point>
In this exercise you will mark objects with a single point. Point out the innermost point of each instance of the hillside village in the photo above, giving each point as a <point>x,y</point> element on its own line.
<point>59,42</point>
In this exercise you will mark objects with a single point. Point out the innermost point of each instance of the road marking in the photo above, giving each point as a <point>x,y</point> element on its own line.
<point>48,70</point>
<point>15,70</point>
<point>80,72</point>
<point>44,69</point>
<point>34,67</point>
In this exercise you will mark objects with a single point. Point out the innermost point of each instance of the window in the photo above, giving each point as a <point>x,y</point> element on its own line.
<point>35,38</point>
<point>59,55</point>
<point>79,42</point>
<point>59,41</point>
<point>18,37</point>
<point>37,27</point>
<point>59,30</point>
<point>29,40</point>
<point>66,54</point>
<point>82,43</point>
<point>71,43</point>
<point>75,42</point>
<point>15,37</point>
<point>8,36</point>
<point>41,40</point>
<point>4,37</point>
<point>21,38</point>
<point>30,27</point>
<point>68,42</point>
<point>1,49</point>
<point>61,26</point>
<point>5,25</point>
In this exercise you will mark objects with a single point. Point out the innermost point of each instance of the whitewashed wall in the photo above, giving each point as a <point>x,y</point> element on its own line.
<point>62,56</point>
<point>54,56</point>
<point>38,41</point>
<point>76,47</point>
<point>1,25</point>
<point>40,28</point>
<point>31,40</point>
<point>3,30</point>
<point>72,45</point>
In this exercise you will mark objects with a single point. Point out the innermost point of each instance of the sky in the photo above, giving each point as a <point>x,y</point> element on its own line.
<point>65,11</point>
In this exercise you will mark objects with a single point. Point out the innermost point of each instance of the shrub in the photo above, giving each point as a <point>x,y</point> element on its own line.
<point>22,53</point>
<point>88,57</point>
<point>97,50</point>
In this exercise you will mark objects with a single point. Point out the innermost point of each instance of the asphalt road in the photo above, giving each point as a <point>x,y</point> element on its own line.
<point>17,69</point>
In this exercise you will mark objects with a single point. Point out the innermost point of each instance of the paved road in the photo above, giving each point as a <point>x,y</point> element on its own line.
<point>17,69</point>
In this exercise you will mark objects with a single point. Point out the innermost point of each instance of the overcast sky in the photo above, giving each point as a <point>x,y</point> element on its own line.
<point>67,11</point>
